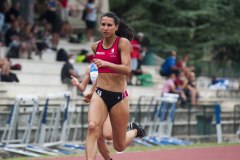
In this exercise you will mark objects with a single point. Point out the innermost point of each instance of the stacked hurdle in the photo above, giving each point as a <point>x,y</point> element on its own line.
<point>49,127</point>
<point>148,101</point>
<point>158,120</point>
<point>9,141</point>
<point>50,134</point>
<point>54,129</point>
<point>160,129</point>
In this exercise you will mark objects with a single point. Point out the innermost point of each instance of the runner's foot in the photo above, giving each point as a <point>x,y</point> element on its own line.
<point>140,130</point>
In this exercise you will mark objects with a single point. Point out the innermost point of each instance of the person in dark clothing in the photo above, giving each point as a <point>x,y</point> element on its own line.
<point>68,70</point>
<point>62,55</point>
<point>13,13</point>
<point>1,6</point>
<point>53,18</point>
<point>2,15</point>
<point>12,33</point>
<point>11,77</point>
<point>169,65</point>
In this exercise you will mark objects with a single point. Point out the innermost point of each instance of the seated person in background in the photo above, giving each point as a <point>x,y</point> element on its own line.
<point>66,30</point>
<point>40,38</point>
<point>5,74</point>
<point>183,84</point>
<point>68,70</point>
<point>170,87</point>
<point>219,83</point>
<point>12,40</point>
<point>26,38</point>
<point>183,66</point>
<point>169,65</point>
<point>4,66</point>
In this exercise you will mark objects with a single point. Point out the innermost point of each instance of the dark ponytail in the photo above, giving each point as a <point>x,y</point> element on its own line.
<point>123,29</point>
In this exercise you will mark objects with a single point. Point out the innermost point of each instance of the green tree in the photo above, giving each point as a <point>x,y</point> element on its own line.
<point>199,27</point>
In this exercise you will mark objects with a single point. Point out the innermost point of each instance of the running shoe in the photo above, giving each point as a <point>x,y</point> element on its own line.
<point>140,130</point>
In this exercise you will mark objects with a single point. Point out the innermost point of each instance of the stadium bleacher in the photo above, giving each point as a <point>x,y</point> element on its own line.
<point>40,77</point>
<point>43,76</point>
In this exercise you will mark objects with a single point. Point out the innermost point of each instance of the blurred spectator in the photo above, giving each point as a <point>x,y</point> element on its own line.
<point>5,74</point>
<point>40,38</point>
<point>192,93</point>
<point>68,70</point>
<point>2,15</point>
<point>170,87</point>
<point>4,66</point>
<point>3,9</point>
<point>74,10</point>
<point>52,17</point>
<point>26,38</point>
<point>35,32</point>
<point>137,50</point>
<point>12,14</point>
<point>183,64</point>
<point>144,43</point>
<point>12,40</point>
<point>1,26</point>
<point>45,33</point>
<point>12,34</point>
<point>135,53</point>
<point>135,56</point>
<point>191,78</point>
<point>66,30</point>
<point>183,84</point>
<point>192,89</point>
<point>64,12</point>
<point>19,42</point>
<point>219,83</point>
<point>91,18</point>
<point>169,65</point>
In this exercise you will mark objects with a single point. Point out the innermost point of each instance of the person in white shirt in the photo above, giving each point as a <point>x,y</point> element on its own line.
<point>91,18</point>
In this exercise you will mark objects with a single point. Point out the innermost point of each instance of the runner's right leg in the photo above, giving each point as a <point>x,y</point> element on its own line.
<point>97,114</point>
<point>107,134</point>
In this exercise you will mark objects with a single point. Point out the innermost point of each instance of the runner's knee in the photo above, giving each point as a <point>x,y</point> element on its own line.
<point>119,147</point>
<point>108,136</point>
<point>93,127</point>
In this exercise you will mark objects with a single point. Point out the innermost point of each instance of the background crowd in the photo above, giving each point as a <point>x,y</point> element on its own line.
<point>24,38</point>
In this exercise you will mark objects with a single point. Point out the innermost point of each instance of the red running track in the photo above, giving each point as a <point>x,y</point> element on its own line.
<point>205,153</point>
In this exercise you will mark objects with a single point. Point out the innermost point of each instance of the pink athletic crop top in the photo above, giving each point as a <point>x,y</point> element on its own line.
<point>111,55</point>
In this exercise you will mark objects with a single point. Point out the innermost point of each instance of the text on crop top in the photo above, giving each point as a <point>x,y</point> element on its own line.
<point>111,54</point>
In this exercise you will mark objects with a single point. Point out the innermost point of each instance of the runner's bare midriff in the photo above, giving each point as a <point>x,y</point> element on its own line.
<point>112,81</point>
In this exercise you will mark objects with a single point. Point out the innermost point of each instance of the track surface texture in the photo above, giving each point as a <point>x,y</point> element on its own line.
<point>198,153</point>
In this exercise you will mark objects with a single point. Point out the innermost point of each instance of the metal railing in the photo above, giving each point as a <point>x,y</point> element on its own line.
<point>197,121</point>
